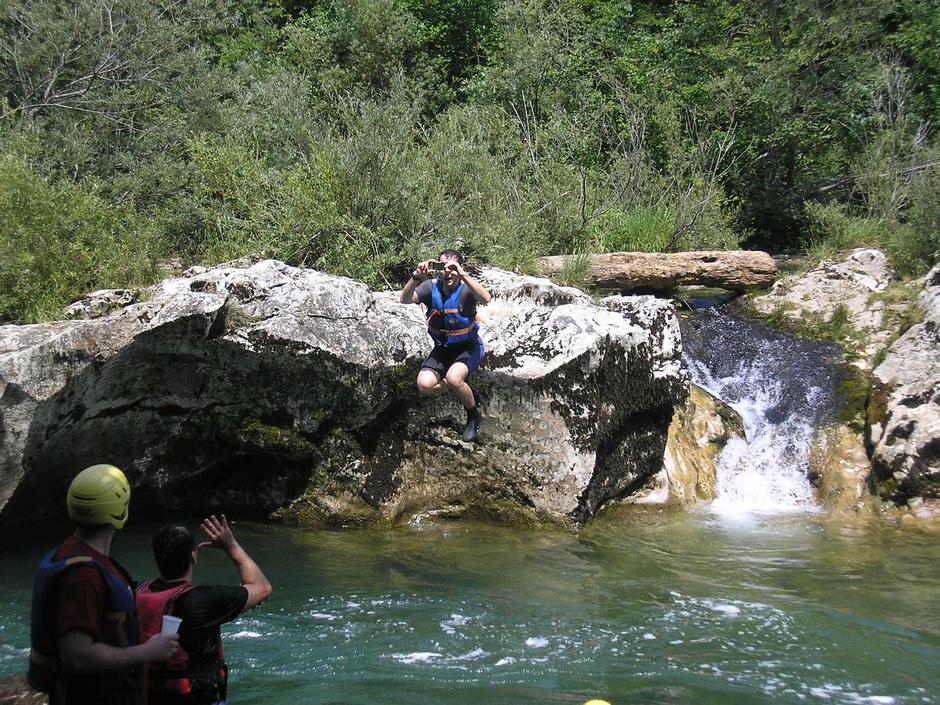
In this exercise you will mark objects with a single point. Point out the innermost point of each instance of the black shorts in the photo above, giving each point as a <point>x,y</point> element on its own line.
<point>441,357</point>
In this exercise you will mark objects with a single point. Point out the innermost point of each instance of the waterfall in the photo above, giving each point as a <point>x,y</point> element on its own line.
<point>784,388</point>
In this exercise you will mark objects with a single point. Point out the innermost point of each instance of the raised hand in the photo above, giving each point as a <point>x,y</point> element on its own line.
<point>218,533</point>
<point>422,271</point>
<point>456,267</point>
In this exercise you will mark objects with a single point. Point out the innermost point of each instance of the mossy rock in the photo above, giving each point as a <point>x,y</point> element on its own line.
<point>477,508</point>
<point>402,382</point>
<point>877,408</point>
<point>314,508</point>
<point>855,389</point>
<point>694,443</point>
<point>732,419</point>
<point>887,489</point>
<point>276,440</point>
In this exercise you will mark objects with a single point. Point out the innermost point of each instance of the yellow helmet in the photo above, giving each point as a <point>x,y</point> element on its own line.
<point>99,495</point>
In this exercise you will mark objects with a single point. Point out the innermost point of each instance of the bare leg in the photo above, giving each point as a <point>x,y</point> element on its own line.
<point>430,383</point>
<point>456,381</point>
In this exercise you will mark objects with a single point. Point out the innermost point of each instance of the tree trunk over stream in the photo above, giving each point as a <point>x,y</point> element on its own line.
<point>737,270</point>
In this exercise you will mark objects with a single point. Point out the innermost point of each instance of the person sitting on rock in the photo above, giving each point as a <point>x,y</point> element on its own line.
<point>197,674</point>
<point>451,301</point>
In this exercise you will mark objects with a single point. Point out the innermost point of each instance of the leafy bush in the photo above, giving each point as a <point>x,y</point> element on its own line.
<point>919,249</point>
<point>831,228</point>
<point>58,242</point>
<point>360,136</point>
<point>913,246</point>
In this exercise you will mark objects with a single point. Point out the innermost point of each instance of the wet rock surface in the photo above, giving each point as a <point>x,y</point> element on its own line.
<point>700,428</point>
<point>839,470</point>
<point>264,388</point>
<point>14,690</point>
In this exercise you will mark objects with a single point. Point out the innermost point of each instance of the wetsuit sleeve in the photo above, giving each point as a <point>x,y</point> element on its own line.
<point>423,292</point>
<point>213,605</point>
<point>82,595</point>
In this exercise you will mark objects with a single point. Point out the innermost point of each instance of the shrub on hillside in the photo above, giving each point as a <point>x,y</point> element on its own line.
<point>58,242</point>
<point>912,246</point>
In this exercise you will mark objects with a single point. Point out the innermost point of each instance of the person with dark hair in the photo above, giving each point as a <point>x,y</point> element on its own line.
<point>450,299</point>
<point>85,639</point>
<point>197,674</point>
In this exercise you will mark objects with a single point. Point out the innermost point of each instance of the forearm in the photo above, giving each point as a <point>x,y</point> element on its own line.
<point>251,576</point>
<point>407,294</point>
<point>479,291</point>
<point>88,656</point>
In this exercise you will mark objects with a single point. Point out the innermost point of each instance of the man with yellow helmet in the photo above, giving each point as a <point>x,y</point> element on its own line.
<point>84,623</point>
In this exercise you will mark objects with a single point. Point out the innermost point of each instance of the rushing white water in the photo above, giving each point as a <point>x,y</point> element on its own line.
<point>783,388</point>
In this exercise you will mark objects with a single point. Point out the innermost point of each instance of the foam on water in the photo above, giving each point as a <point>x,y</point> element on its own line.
<point>747,644</point>
<point>11,653</point>
<point>730,610</point>
<point>417,657</point>
<point>451,625</point>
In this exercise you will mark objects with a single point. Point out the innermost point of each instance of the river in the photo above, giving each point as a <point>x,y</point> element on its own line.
<point>644,606</point>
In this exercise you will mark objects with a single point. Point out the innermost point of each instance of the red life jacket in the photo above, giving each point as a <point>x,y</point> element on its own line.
<point>176,675</point>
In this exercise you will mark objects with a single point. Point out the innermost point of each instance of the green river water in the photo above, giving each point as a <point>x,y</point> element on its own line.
<point>641,607</point>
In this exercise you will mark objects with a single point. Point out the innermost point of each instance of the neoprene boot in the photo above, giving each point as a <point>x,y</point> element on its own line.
<point>472,431</point>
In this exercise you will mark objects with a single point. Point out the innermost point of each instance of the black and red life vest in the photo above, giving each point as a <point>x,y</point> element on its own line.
<point>178,676</point>
<point>120,622</point>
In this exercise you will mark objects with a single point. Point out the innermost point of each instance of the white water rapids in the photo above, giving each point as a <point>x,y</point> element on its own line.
<point>783,388</point>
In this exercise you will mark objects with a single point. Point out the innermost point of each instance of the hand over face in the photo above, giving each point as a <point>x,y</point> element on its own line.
<point>453,273</point>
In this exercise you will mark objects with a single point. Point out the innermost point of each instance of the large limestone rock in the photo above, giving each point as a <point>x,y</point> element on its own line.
<point>904,410</point>
<point>840,288</point>
<point>573,416</point>
<point>839,469</point>
<point>700,428</point>
<point>267,388</point>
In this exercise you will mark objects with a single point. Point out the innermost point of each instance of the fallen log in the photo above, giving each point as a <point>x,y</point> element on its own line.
<point>737,270</point>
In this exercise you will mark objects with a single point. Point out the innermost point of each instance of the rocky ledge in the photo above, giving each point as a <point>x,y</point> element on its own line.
<point>843,295</point>
<point>893,447</point>
<point>903,431</point>
<point>266,389</point>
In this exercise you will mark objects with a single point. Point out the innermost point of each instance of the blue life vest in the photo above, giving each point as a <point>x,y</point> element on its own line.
<point>121,618</point>
<point>447,325</point>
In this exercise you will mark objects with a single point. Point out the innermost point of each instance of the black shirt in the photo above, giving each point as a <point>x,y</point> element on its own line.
<point>204,609</point>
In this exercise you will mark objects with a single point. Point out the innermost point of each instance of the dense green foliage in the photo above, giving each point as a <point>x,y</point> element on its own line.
<point>356,136</point>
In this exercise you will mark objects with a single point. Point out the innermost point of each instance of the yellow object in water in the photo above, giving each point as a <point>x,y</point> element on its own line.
<point>597,702</point>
